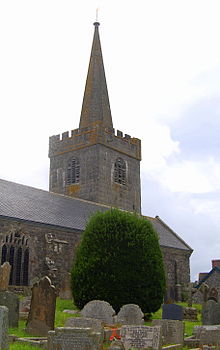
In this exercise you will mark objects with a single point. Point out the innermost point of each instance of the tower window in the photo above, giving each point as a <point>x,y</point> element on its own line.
<point>73,171</point>
<point>120,171</point>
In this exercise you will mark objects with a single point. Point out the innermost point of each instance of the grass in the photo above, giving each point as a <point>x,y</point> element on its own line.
<point>20,346</point>
<point>60,318</point>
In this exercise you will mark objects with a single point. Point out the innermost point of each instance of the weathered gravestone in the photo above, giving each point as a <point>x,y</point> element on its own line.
<point>172,331</point>
<point>11,301</point>
<point>5,270</point>
<point>141,337</point>
<point>172,312</point>
<point>42,310</point>
<point>116,345</point>
<point>73,339</point>
<point>101,310</point>
<point>97,326</point>
<point>207,335</point>
<point>130,314</point>
<point>65,289</point>
<point>4,340</point>
<point>210,313</point>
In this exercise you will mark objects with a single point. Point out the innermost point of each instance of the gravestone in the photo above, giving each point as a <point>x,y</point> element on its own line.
<point>63,338</point>
<point>42,310</point>
<point>81,322</point>
<point>5,270</point>
<point>172,312</point>
<point>4,339</point>
<point>130,314</point>
<point>207,334</point>
<point>65,289</point>
<point>116,345</point>
<point>210,313</point>
<point>101,310</point>
<point>11,301</point>
<point>141,337</point>
<point>172,331</point>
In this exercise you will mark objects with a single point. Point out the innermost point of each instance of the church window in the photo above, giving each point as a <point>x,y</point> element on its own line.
<point>73,171</point>
<point>15,250</point>
<point>120,171</point>
<point>26,265</point>
<point>4,254</point>
<point>18,267</point>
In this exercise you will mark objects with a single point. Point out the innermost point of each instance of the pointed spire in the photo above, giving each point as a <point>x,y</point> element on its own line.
<point>96,106</point>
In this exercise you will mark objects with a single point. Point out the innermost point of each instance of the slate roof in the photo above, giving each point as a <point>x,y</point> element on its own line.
<point>214,269</point>
<point>39,206</point>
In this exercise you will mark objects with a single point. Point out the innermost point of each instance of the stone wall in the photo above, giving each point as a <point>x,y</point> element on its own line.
<point>97,150</point>
<point>177,266</point>
<point>213,281</point>
<point>51,249</point>
<point>51,252</point>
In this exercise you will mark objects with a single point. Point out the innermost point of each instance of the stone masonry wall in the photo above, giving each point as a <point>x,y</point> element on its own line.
<point>51,249</point>
<point>97,151</point>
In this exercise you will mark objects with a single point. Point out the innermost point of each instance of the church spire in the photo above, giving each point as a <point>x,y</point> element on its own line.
<point>96,106</point>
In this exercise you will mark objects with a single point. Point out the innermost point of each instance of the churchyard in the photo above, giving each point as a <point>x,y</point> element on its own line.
<point>67,315</point>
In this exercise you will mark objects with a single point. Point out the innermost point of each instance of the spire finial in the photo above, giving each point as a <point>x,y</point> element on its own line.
<point>96,23</point>
<point>97,15</point>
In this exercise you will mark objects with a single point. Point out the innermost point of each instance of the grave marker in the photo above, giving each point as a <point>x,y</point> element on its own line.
<point>141,337</point>
<point>11,301</point>
<point>101,310</point>
<point>4,339</point>
<point>172,312</point>
<point>81,322</point>
<point>5,270</point>
<point>63,338</point>
<point>42,309</point>
<point>130,314</point>
<point>172,331</point>
<point>211,313</point>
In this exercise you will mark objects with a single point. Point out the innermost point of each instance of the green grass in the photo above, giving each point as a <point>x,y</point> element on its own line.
<point>20,346</point>
<point>61,317</point>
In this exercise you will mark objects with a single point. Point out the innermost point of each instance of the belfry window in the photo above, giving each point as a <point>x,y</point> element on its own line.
<point>120,171</point>
<point>73,171</point>
<point>16,252</point>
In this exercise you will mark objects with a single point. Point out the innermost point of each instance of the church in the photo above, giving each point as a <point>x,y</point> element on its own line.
<point>92,168</point>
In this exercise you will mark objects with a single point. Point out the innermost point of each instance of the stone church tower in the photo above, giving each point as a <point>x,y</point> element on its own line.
<point>92,162</point>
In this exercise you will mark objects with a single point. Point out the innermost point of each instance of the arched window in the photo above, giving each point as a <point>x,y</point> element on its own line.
<point>4,254</point>
<point>11,262</point>
<point>73,171</point>
<point>25,268</point>
<point>120,171</point>
<point>18,267</point>
<point>16,252</point>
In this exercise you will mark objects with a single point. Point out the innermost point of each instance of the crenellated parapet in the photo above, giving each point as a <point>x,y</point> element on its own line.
<point>85,137</point>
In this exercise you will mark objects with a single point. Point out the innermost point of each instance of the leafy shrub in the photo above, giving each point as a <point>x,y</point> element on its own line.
<point>119,261</point>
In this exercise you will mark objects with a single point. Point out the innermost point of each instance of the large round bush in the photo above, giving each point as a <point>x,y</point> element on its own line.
<point>119,260</point>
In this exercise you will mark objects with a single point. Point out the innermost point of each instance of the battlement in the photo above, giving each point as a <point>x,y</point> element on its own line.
<point>84,137</point>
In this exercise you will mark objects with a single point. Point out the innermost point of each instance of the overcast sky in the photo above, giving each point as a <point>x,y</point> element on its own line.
<point>162,62</point>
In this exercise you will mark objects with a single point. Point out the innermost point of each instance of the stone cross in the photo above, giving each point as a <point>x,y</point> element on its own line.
<point>42,310</point>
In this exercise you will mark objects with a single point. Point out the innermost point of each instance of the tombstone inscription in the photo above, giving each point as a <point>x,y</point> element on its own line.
<point>141,337</point>
<point>65,338</point>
